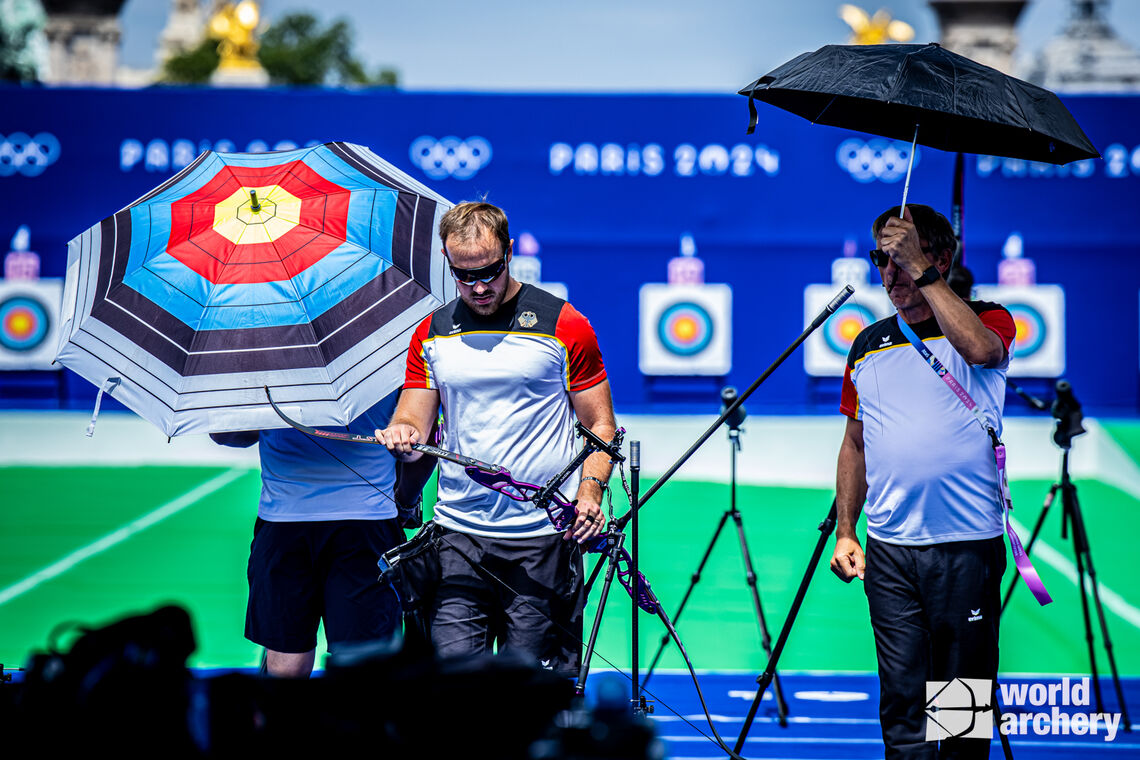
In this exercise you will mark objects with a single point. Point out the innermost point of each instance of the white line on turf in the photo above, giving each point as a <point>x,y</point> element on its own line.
<point>169,509</point>
<point>1065,567</point>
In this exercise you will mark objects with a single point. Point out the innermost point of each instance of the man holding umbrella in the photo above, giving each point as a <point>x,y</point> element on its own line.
<point>914,452</point>
<point>510,366</point>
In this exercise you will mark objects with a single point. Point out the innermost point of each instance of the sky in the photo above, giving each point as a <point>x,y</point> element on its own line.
<point>600,45</point>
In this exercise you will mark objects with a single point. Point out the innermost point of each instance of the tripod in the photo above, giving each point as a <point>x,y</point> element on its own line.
<point>728,396</point>
<point>1068,414</point>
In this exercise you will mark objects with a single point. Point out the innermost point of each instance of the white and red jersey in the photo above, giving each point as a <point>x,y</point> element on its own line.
<point>931,476</point>
<point>504,384</point>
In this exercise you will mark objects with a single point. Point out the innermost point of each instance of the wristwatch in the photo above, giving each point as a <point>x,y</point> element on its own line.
<point>930,275</point>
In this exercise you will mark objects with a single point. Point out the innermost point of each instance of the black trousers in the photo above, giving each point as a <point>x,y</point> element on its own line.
<point>523,595</point>
<point>934,611</point>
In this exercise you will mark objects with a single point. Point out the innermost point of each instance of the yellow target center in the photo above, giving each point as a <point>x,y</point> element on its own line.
<point>849,329</point>
<point>685,328</point>
<point>1022,328</point>
<point>20,324</point>
<point>235,219</point>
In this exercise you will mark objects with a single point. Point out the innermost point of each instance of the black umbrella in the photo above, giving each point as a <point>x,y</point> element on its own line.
<point>926,94</point>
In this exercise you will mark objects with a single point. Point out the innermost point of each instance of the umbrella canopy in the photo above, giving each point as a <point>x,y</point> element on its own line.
<point>302,270</point>
<point>956,103</point>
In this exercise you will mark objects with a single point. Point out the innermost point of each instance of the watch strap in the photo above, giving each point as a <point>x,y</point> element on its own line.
<point>931,275</point>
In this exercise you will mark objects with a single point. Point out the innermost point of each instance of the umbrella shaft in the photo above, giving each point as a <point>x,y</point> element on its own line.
<point>909,166</point>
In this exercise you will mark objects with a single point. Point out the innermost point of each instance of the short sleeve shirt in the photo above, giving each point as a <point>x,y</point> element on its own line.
<point>303,481</point>
<point>931,476</point>
<point>504,383</point>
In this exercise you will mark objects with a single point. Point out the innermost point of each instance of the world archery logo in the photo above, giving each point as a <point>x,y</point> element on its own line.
<point>959,709</point>
<point>29,156</point>
<point>875,159</point>
<point>450,156</point>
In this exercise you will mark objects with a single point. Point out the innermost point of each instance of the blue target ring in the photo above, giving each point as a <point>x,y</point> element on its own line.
<point>844,325</point>
<point>24,323</point>
<point>685,328</point>
<point>1031,328</point>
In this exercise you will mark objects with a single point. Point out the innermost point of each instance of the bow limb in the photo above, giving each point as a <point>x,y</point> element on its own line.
<point>333,435</point>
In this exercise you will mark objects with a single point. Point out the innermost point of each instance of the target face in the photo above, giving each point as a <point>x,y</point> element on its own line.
<point>1038,313</point>
<point>1031,329</point>
<point>844,325</point>
<point>685,328</point>
<point>24,323</point>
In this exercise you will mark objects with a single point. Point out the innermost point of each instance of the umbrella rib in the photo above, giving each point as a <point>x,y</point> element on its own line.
<point>146,324</point>
<point>119,371</point>
<point>115,259</point>
<point>823,110</point>
<point>399,355</point>
<point>412,241</point>
<point>347,267</point>
<point>376,303</point>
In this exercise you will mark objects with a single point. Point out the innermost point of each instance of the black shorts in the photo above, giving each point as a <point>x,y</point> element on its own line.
<point>301,572</point>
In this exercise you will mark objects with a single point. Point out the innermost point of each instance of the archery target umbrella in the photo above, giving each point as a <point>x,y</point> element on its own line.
<point>305,271</point>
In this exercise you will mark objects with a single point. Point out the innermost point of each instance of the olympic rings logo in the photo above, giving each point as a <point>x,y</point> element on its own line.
<point>876,159</point>
<point>450,156</point>
<point>27,155</point>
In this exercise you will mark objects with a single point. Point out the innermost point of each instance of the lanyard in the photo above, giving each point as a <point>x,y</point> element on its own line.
<point>1020,558</point>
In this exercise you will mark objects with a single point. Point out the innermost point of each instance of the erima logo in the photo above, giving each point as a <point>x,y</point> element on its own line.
<point>886,339</point>
<point>974,615</point>
<point>455,328</point>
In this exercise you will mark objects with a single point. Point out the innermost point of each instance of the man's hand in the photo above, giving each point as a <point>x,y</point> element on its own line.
<point>399,439</point>
<point>899,239</point>
<point>848,561</point>
<point>589,523</point>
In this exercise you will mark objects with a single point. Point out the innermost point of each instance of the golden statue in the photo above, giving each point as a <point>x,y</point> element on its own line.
<point>233,25</point>
<point>874,30</point>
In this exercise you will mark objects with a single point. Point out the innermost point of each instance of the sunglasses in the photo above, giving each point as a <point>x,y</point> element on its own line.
<point>881,258</point>
<point>481,274</point>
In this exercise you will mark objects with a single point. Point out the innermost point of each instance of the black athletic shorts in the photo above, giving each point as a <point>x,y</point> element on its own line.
<point>301,572</point>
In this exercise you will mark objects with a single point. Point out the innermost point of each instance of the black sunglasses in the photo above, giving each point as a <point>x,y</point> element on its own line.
<point>881,258</point>
<point>481,274</point>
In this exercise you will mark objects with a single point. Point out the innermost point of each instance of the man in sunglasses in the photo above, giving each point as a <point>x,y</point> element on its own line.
<point>925,466</point>
<point>510,366</point>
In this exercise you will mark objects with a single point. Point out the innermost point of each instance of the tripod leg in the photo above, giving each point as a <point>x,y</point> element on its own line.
<point>693,581</point>
<point>1081,540</point>
<point>765,638</point>
<point>1032,539</point>
<point>584,670</point>
<point>1005,748</point>
<point>825,529</point>
<point>1067,495</point>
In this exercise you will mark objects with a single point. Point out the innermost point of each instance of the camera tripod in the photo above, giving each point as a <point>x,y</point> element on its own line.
<point>728,396</point>
<point>1067,411</point>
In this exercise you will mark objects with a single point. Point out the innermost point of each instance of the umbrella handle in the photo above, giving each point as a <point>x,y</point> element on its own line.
<point>909,166</point>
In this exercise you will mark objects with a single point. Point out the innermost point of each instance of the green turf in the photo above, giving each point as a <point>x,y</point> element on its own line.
<point>198,558</point>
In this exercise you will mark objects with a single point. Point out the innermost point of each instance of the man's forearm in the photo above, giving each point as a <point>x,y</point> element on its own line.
<point>850,489</point>
<point>973,340</point>
<point>598,466</point>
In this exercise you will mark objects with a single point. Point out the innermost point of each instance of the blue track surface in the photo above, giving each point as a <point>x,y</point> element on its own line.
<point>836,716</point>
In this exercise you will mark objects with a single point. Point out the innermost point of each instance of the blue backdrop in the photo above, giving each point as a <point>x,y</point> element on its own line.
<point>608,183</point>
